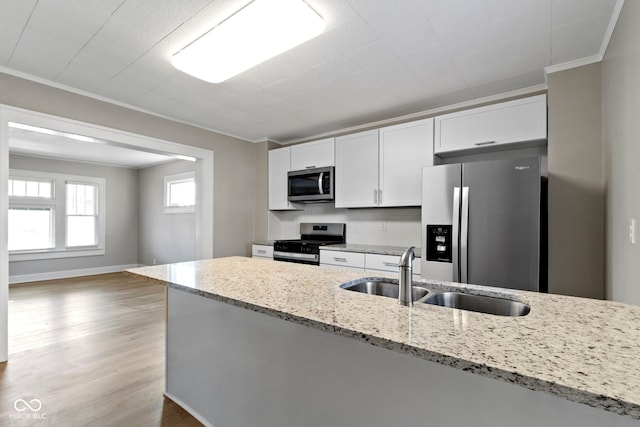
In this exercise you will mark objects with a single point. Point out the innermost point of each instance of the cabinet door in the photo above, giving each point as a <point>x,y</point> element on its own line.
<point>356,182</point>
<point>522,120</point>
<point>342,259</point>
<point>316,154</point>
<point>377,262</point>
<point>404,150</point>
<point>262,251</point>
<point>279,165</point>
<point>388,263</point>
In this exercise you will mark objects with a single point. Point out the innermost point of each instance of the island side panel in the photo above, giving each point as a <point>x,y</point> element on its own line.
<point>230,366</point>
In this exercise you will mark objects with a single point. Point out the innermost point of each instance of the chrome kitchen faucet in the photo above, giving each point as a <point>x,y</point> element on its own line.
<point>405,296</point>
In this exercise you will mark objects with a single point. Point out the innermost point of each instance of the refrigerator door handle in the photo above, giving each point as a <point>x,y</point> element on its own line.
<point>455,238</point>
<point>464,236</point>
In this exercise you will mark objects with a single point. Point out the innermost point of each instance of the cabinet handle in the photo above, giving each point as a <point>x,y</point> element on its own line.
<point>310,167</point>
<point>478,144</point>
<point>261,251</point>
<point>375,197</point>
<point>339,259</point>
<point>391,264</point>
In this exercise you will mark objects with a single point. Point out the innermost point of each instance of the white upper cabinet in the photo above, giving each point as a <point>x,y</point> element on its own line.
<point>521,120</point>
<point>316,154</point>
<point>383,167</point>
<point>356,180</point>
<point>404,150</point>
<point>279,166</point>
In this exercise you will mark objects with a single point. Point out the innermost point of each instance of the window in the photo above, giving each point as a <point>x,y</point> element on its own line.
<point>54,215</point>
<point>24,187</point>
<point>31,214</point>
<point>81,214</point>
<point>30,228</point>
<point>180,193</point>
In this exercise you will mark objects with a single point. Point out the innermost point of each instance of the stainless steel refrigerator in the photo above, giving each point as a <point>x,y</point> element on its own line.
<point>485,223</point>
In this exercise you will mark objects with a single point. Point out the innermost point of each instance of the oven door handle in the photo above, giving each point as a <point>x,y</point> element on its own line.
<point>293,255</point>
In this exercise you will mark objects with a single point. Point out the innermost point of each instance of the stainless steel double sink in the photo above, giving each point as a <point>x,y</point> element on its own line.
<point>452,299</point>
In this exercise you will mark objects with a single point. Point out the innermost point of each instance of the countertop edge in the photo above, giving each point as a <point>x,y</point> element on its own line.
<point>607,403</point>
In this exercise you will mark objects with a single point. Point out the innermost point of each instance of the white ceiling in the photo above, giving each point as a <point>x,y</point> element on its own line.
<point>377,59</point>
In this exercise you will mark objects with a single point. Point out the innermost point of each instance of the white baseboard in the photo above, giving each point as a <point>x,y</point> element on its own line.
<point>36,277</point>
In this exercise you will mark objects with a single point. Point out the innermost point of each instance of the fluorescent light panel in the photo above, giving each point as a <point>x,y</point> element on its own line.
<point>45,131</point>
<point>257,32</point>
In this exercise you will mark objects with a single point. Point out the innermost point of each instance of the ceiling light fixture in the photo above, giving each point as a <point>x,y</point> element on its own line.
<point>45,131</point>
<point>181,157</point>
<point>257,32</point>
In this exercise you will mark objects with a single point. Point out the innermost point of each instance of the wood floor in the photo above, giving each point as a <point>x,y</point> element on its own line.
<point>91,351</point>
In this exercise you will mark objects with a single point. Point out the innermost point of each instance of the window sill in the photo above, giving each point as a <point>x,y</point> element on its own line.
<point>179,209</point>
<point>53,254</point>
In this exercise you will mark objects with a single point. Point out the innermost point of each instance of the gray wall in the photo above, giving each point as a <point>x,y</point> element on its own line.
<point>621,106</point>
<point>121,246</point>
<point>576,182</point>
<point>167,237</point>
<point>261,219</point>
<point>234,159</point>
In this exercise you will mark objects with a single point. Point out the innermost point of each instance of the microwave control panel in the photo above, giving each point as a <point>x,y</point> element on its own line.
<point>439,243</point>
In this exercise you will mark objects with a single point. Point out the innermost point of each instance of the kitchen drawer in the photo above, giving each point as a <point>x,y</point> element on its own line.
<point>388,263</point>
<point>347,259</point>
<point>262,251</point>
<point>382,262</point>
<point>342,267</point>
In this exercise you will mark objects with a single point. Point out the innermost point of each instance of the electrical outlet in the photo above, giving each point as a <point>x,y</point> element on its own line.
<point>632,231</point>
<point>153,261</point>
<point>383,226</point>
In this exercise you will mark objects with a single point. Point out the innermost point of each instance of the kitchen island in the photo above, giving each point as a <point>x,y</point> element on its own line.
<point>259,342</point>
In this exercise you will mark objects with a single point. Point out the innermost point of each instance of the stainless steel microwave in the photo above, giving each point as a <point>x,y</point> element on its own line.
<point>311,185</point>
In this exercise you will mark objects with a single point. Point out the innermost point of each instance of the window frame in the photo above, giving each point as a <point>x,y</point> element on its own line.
<point>58,203</point>
<point>180,177</point>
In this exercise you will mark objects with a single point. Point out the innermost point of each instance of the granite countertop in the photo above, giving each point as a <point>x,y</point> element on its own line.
<point>371,249</point>
<point>584,350</point>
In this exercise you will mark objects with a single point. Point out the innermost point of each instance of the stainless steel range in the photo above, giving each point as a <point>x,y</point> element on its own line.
<point>306,250</point>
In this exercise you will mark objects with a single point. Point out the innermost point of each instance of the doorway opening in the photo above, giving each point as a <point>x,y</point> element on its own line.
<point>95,137</point>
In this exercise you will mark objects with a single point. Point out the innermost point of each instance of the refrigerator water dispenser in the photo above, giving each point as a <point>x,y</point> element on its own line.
<point>439,243</point>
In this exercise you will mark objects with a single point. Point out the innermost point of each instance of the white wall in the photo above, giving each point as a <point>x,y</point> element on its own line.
<point>621,106</point>
<point>165,237</point>
<point>364,226</point>
<point>121,216</point>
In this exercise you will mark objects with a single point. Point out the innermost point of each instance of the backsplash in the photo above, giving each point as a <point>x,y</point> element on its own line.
<point>375,226</point>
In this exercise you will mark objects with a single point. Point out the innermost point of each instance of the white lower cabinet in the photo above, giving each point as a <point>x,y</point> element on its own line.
<point>388,264</point>
<point>346,260</point>
<point>365,262</point>
<point>262,251</point>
